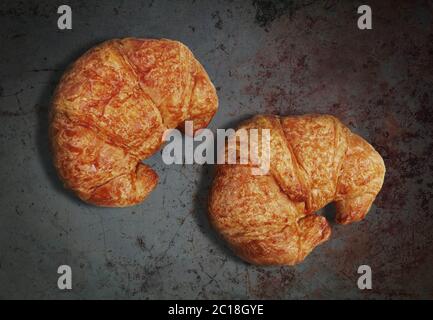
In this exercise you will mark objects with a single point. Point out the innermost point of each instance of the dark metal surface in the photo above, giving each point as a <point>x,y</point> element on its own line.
<point>282,57</point>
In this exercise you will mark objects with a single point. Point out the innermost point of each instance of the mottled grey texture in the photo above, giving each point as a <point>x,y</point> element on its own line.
<point>282,57</point>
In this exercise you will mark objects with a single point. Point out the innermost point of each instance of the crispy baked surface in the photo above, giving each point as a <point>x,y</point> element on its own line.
<point>315,160</point>
<point>110,111</point>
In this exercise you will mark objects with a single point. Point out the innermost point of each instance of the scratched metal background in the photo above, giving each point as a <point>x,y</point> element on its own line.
<point>281,57</point>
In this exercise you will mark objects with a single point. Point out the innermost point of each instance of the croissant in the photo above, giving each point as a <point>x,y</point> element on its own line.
<point>110,111</point>
<point>314,160</point>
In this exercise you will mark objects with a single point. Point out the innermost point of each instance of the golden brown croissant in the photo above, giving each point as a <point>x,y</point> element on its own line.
<point>110,111</point>
<point>314,160</point>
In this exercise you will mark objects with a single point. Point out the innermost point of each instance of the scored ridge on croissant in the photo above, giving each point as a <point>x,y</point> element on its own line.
<point>110,111</point>
<point>314,160</point>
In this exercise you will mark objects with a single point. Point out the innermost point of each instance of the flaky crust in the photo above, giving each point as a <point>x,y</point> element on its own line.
<point>315,160</point>
<point>110,111</point>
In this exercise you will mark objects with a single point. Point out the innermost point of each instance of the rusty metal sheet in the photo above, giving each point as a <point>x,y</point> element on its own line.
<point>279,57</point>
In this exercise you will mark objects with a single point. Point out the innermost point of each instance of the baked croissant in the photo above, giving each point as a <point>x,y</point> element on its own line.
<point>314,160</point>
<point>110,111</point>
